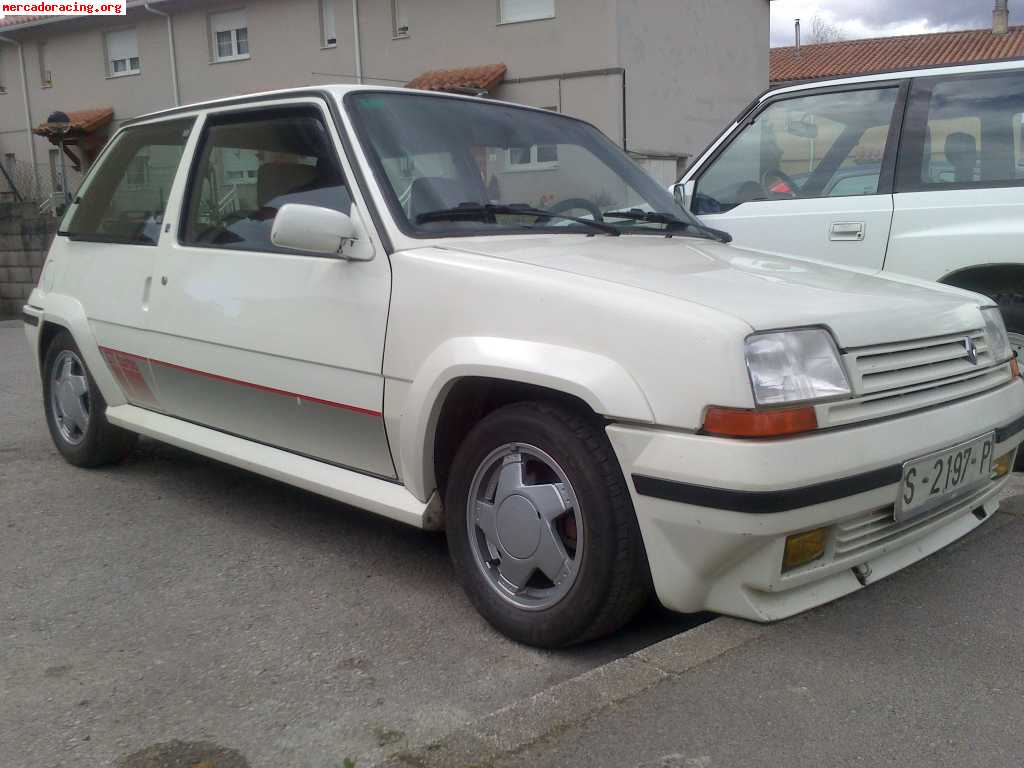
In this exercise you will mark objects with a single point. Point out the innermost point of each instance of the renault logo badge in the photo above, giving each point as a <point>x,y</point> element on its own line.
<point>972,351</point>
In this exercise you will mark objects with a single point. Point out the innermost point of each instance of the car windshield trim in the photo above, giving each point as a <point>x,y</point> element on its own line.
<point>368,110</point>
<point>470,210</point>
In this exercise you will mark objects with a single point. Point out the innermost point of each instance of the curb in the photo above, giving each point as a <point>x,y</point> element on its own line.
<point>568,704</point>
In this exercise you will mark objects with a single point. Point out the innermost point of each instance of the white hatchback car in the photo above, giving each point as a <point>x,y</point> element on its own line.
<point>919,173</point>
<point>382,296</point>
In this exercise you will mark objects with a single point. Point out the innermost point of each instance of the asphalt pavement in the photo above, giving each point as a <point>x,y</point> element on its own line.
<point>173,601</point>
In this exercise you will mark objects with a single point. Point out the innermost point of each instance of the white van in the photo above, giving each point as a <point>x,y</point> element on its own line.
<point>918,173</point>
<point>369,294</point>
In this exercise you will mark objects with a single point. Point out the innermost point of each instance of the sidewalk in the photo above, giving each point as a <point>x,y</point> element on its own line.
<point>925,668</point>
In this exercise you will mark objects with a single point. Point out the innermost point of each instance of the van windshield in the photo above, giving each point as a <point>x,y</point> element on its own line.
<point>457,167</point>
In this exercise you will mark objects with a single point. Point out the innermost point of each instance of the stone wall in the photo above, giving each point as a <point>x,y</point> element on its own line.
<point>25,237</point>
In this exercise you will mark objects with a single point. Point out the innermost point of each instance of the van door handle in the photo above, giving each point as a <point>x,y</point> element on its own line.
<point>145,293</point>
<point>847,230</point>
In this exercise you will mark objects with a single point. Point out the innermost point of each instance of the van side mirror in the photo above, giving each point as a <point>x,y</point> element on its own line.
<point>683,194</point>
<point>312,229</point>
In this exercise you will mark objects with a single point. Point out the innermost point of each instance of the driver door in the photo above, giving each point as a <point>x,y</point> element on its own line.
<point>809,176</point>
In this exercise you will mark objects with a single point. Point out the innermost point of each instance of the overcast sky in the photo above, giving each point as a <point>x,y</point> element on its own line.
<point>875,18</point>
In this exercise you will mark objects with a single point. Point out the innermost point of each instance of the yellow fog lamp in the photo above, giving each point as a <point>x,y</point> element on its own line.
<point>804,548</point>
<point>1003,465</point>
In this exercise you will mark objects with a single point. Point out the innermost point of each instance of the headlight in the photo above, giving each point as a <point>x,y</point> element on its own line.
<point>995,335</point>
<point>794,366</point>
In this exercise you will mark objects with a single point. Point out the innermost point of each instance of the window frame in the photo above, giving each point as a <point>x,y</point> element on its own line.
<point>254,112</point>
<point>908,169</point>
<point>215,57</point>
<point>502,21</point>
<point>184,117</point>
<point>45,75</point>
<point>128,72</point>
<point>887,174</point>
<point>396,28</point>
<point>325,40</point>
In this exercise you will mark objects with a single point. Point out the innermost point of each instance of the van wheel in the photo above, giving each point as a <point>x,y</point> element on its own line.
<point>541,528</point>
<point>76,411</point>
<point>1011,306</point>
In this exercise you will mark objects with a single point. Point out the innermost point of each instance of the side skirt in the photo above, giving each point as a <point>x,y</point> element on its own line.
<point>382,497</point>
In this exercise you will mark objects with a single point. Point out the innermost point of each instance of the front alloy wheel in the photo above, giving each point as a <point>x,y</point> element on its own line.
<point>541,529</point>
<point>526,531</point>
<point>69,397</point>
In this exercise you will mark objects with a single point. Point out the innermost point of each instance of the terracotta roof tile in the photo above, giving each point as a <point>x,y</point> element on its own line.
<point>10,21</point>
<point>484,78</point>
<point>883,54</point>
<point>82,121</point>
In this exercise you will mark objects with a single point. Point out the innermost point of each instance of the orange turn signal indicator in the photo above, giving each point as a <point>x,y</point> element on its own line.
<point>1014,366</point>
<point>741,422</point>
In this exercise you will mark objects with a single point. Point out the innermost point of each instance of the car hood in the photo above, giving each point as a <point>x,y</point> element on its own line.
<point>765,291</point>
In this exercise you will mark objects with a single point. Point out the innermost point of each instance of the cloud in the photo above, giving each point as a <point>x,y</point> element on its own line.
<point>878,18</point>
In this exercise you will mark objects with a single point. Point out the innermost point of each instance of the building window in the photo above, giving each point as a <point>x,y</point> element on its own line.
<point>45,75</point>
<point>399,19</point>
<point>122,53</point>
<point>230,35</point>
<point>511,11</point>
<point>539,157</point>
<point>328,25</point>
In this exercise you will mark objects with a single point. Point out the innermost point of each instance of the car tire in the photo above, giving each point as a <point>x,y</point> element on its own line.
<point>605,578</point>
<point>76,411</point>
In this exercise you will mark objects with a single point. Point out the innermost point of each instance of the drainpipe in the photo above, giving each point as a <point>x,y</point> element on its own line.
<point>355,41</point>
<point>28,110</point>
<point>170,47</point>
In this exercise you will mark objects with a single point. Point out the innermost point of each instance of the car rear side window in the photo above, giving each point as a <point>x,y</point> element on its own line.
<point>822,145</point>
<point>123,199</point>
<point>963,132</point>
<point>251,164</point>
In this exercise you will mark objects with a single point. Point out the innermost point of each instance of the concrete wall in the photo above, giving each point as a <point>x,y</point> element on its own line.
<point>24,240</point>
<point>691,67</point>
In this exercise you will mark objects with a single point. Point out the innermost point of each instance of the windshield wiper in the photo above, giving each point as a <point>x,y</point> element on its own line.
<point>655,217</point>
<point>473,211</point>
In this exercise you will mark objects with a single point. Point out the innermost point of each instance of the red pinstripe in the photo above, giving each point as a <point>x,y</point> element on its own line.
<point>251,385</point>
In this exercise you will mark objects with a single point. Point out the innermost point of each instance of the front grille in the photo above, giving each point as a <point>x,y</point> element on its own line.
<point>909,364</point>
<point>879,527</point>
<point>890,379</point>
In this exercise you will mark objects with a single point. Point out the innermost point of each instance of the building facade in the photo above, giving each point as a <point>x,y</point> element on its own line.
<point>659,77</point>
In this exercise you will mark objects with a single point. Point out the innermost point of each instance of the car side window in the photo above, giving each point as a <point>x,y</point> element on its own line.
<point>251,164</point>
<point>823,145</point>
<point>963,132</point>
<point>123,199</point>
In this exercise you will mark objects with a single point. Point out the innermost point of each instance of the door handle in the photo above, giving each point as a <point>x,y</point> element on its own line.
<point>846,230</point>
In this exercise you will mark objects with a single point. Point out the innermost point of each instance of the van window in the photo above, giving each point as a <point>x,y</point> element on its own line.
<point>824,145</point>
<point>124,198</point>
<point>252,164</point>
<point>963,132</point>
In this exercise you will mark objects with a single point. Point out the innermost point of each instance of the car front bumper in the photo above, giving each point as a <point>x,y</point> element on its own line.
<point>715,513</point>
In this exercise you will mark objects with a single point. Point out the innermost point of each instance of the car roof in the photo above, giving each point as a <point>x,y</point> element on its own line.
<point>832,82</point>
<point>338,90</point>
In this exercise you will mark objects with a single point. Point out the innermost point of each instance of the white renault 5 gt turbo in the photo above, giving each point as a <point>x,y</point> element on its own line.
<point>484,317</point>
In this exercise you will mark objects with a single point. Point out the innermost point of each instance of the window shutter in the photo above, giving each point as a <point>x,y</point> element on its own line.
<point>524,10</point>
<point>122,44</point>
<point>225,22</point>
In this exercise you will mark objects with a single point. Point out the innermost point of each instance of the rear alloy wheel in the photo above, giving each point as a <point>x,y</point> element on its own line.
<point>76,411</point>
<point>541,529</point>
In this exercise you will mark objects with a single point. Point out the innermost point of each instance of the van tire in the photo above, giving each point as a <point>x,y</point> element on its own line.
<point>612,581</point>
<point>99,443</point>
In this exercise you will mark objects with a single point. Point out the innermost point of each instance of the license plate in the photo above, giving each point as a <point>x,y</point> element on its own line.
<point>938,477</point>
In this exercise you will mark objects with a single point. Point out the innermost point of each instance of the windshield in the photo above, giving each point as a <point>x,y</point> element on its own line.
<point>457,167</point>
